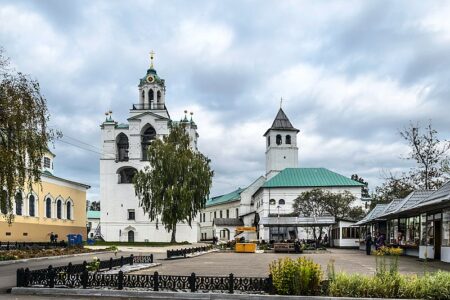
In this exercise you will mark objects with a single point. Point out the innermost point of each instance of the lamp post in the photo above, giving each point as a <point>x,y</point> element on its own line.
<point>278,222</point>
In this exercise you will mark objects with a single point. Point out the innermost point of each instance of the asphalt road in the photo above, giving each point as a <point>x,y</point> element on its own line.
<point>8,272</point>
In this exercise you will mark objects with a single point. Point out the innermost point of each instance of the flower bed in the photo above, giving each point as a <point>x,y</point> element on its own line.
<point>34,253</point>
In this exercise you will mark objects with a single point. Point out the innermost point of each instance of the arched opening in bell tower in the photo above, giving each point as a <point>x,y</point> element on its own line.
<point>148,135</point>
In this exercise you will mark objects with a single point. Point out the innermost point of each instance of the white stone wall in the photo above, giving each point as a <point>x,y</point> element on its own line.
<point>207,225</point>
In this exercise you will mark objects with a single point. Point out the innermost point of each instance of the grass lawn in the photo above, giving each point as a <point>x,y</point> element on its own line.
<point>138,244</point>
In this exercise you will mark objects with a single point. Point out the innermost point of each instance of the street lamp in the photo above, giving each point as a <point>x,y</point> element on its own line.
<point>278,222</point>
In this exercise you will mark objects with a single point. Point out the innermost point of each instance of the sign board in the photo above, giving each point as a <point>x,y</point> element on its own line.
<point>245,228</point>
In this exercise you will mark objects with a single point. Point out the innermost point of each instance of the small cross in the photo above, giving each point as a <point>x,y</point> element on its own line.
<point>281,102</point>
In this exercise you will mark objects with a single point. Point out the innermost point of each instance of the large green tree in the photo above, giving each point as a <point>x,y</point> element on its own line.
<point>319,203</point>
<point>176,184</point>
<point>24,134</point>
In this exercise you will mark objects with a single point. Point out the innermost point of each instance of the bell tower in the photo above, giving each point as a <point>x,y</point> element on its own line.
<point>152,90</point>
<point>281,145</point>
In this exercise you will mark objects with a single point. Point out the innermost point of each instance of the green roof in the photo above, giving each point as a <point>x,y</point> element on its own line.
<point>93,214</point>
<point>309,177</point>
<point>230,197</point>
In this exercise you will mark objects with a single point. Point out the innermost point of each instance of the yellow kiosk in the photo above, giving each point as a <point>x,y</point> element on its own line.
<point>246,247</point>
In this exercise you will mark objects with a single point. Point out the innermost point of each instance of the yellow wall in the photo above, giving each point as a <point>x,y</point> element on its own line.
<point>38,228</point>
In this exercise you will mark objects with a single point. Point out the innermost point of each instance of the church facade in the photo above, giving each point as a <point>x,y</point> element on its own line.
<point>267,203</point>
<point>124,153</point>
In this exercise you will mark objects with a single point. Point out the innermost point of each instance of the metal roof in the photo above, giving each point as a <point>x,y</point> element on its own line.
<point>297,221</point>
<point>373,214</point>
<point>281,122</point>
<point>309,177</point>
<point>93,214</point>
<point>413,199</point>
<point>393,206</point>
<point>230,197</point>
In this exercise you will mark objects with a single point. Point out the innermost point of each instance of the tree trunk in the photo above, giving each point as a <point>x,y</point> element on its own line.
<point>174,232</point>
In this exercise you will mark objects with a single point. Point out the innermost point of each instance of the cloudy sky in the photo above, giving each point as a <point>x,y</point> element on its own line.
<point>352,73</point>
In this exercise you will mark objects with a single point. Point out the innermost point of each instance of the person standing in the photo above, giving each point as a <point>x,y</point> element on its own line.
<point>368,243</point>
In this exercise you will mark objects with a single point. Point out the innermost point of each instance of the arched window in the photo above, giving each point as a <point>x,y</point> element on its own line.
<point>158,96</point>
<point>31,206</point>
<point>150,95</point>
<point>147,137</point>
<point>272,202</point>
<point>268,141</point>
<point>48,208</point>
<point>126,174</point>
<point>288,139</point>
<point>4,208</point>
<point>59,209</point>
<point>18,201</point>
<point>69,210</point>
<point>281,202</point>
<point>278,140</point>
<point>122,147</point>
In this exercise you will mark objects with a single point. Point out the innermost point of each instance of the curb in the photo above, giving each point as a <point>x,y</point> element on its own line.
<point>163,295</point>
<point>18,261</point>
<point>192,256</point>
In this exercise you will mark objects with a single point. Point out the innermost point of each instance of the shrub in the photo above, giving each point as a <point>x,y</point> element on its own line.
<point>394,251</point>
<point>296,277</point>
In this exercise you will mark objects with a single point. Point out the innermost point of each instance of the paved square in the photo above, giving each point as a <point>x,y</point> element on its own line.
<point>248,264</point>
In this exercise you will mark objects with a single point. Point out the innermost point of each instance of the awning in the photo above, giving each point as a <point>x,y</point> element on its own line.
<point>297,221</point>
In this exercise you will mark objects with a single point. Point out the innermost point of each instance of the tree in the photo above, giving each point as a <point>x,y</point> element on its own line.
<point>318,202</point>
<point>24,135</point>
<point>176,184</point>
<point>93,206</point>
<point>429,153</point>
<point>394,187</point>
<point>365,188</point>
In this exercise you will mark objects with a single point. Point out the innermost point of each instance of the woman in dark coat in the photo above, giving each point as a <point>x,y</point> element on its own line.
<point>368,243</point>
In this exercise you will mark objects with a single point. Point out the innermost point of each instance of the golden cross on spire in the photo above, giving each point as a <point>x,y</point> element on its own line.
<point>152,54</point>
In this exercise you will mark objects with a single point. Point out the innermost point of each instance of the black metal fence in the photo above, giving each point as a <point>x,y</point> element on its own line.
<point>29,245</point>
<point>52,278</point>
<point>186,251</point>
<point>67,275</point>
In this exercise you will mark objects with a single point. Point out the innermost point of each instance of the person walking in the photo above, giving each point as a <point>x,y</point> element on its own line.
<point>368,243</point>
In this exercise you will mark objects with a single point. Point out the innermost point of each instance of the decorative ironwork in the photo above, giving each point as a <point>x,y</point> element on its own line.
<point>151,106</point>
<point>186,251</point>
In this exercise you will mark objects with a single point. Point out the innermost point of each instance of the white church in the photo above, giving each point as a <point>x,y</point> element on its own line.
<point>266,203</point>
<point>124,153</point>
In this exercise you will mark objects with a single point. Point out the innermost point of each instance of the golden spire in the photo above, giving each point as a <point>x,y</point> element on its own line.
<point>152,54</point>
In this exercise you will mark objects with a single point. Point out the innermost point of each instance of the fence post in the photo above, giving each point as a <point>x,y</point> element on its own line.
<point>110,263</point>
<point>156,281</point>
<point>26,277</point>
<point>231,283</point>
<point>69,268</point>
<point>131,259</point>
<point>50,277</point>
<point>84,265</point>
<point>19,278</point>
<point>192,282</point>
<point>184,253</point>
<point>269,287</point>
<point>120,281</point>
<point>151,258</point>
<point>84,278</point>
<point>7,246</point>
<point>121,261</point>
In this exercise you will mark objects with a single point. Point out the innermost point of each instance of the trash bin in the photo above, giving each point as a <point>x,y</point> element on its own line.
<point>74,239</point>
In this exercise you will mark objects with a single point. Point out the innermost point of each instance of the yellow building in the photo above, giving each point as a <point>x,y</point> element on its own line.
<point>55,205</point>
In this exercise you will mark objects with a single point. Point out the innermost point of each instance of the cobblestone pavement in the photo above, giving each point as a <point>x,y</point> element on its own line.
<point>249,264</point>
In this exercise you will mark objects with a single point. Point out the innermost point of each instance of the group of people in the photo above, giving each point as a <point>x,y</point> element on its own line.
<point>378,239</point>
<point>53,238</point>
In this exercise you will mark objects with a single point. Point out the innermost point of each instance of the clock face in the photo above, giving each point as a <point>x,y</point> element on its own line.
<point>150,79</point>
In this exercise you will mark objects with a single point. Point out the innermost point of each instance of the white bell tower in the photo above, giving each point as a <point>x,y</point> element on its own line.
<point>281,145</point>
<point>152,90</point>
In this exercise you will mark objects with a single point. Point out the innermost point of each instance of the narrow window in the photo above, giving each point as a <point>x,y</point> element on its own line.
<point>215,215</point>
<point>69,210</point>
<point>288,139</point>
<point>58,209</point>
<point>272,202</point>
<point>31,206</point>
<point>228,213</point>
<point>48,208</point>
<point>281,202</point>
<point>220,213</point>
<point>126,175</point>
<point>3,208</point>
<point>47,162</point>
<point>268,141</point>
<point>150,95</point>
<point>278,139</point>
<point>18,201</point>
<point>237,213</point>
